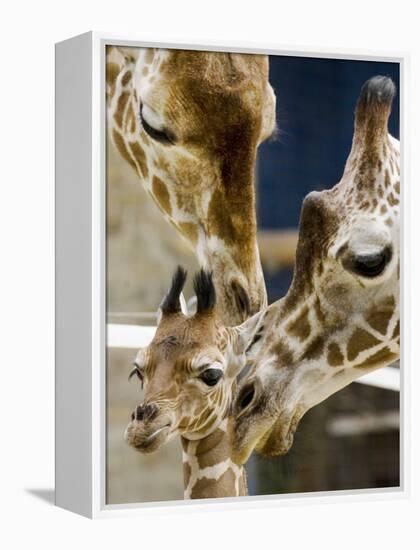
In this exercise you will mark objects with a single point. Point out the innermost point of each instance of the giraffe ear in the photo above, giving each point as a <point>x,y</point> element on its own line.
<point>249,333</point>
<point>244,338</point>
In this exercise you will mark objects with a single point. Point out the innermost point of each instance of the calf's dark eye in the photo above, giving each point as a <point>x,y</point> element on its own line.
<point>211,376</point>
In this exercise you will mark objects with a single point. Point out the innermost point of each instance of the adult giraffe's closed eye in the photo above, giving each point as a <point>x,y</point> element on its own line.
<point>190,124</point>
<point>340,317</point>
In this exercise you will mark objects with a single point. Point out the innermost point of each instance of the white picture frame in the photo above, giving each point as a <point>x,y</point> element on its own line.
<point>80,278</point>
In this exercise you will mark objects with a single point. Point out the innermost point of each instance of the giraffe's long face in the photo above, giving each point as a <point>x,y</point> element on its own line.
<point>190,124</point>
<point>186,376</point>
<point>340,318</point>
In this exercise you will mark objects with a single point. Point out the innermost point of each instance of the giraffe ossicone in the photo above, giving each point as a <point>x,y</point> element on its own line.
<point>340,318</point>
<point>189,373</point>
<point>190,123</point>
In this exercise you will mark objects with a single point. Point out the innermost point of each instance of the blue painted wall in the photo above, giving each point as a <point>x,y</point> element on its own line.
<point>315,105</point>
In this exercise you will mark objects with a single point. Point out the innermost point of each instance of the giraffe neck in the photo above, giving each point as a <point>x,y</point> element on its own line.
<point>305,327</point>
<point>343,347</point>
<point>314,357</point>
<point>209,471</point>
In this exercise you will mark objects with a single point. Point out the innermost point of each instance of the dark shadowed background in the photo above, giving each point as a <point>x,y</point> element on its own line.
<point>352,439</point>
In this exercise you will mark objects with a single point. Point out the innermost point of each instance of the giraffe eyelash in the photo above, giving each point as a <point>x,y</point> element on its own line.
<point>161,135</point>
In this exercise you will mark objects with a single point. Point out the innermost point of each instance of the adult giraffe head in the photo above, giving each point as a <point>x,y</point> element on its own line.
<point>340,317</point>
<point>189,374</point>
<point>190,124</point>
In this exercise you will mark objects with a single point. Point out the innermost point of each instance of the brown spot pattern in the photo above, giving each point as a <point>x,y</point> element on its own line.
<point>126,78</point>
<point>359,341</point>
<point>393,200</point>
<point>208,443</point>
<point>112,71</point>
<point>283,352</point>
<point>334,356</point>
<point>119,112</point>
<point>124,152</point>
<point>212,458</point>
<point>219,218</point>
<point>379,320</point>
<point>161,194</point>
<point>300,327</point>
<point>384,355</point>
<point>315,348</point>
<point>140,157</point>
<point>212,488</point>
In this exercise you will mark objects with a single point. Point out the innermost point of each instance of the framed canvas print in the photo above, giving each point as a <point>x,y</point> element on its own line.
<point>228,260</point>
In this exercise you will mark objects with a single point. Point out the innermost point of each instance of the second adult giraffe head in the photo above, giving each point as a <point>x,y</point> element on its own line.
<point>190,123</point>
<point>340,317</point>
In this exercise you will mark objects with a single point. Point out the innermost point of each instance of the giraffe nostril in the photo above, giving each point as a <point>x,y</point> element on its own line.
<point>241,297</point>
<point>245,397</point>
<point>150,411</point>
<point>140,413</point>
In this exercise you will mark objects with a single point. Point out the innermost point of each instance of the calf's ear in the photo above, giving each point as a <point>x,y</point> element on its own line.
<point>243,338</point>
<point>246,335</point>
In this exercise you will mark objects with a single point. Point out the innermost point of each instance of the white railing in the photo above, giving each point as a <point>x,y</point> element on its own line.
<point>134,337</point>
<point>129,336</point>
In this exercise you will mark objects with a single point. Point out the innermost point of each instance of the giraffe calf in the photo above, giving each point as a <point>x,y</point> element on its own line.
<point>188,372</point>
